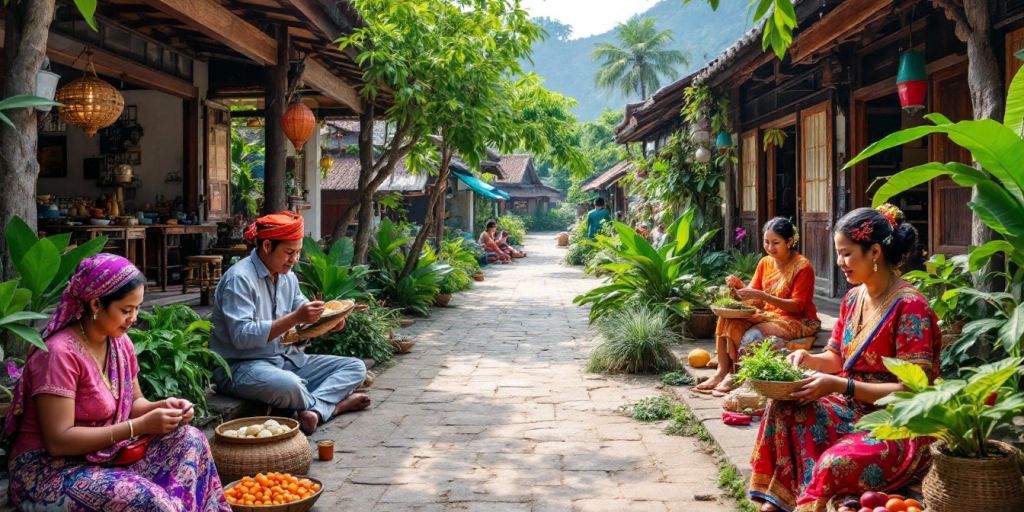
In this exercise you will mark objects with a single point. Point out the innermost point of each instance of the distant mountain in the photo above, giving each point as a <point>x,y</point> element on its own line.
<point>567,66</point>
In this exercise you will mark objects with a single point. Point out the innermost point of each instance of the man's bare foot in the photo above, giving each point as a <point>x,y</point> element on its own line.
<point>308,421</point>
<point>708,385</point>
<point>354,402</point>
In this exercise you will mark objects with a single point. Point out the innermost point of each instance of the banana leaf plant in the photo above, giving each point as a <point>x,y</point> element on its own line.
<point>998,193</point>
<point>45,265</point>
<point>413,293</point>
<point>330,275</point>
<point>15,320</point>
<point>23,101</point>
<point>963,413</point>
<point>662,277</point>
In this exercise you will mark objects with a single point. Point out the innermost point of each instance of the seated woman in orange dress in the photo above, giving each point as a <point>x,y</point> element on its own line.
<point>783,288</point>
<point>807,450</point>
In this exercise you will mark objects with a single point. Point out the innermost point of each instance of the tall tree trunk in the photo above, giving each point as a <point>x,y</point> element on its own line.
<point>973,22</point>
<point>276,156</point>
<point>437,191</point>
<point>26,28</point>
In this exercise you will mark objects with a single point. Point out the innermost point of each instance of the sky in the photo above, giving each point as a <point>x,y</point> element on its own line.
<point>587,17</point>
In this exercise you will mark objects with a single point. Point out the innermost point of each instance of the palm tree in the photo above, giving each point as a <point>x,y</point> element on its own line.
<point>642,59</point>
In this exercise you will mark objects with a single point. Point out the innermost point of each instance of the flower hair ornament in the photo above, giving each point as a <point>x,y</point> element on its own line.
<point>796,236</point>
<point>891,214</point>
<point>863,232</point>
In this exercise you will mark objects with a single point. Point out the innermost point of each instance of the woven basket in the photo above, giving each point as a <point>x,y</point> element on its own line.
<point>733,313</point>
<point>954,484</point>
<point>296,506</point>
<point>837,501</point>
<point>89,102</point>
<point>701,323</point>
<point>293,427</point>
<point>776,390</point>
<point>291,454</point>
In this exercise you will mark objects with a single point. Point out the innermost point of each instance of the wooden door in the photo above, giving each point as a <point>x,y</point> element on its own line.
<point>815,202</point>
<point>217,155</point>
<point>750,158</point>
<point>949,216</point>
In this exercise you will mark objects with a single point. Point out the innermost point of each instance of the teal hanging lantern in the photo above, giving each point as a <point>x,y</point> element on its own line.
<point>724,141</point>
<point>912,82</point>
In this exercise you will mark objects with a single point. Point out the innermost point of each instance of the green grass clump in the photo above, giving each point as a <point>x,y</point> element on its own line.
<point>654,408</point>
<point>677,379</point>
<point>635,339</point>
<point>731,482</point>
<point>765,363</point>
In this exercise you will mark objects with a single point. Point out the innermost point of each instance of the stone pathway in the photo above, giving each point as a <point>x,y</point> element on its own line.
<point>492,411</point>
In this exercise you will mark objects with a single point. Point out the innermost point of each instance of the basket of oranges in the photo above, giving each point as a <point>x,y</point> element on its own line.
<point>273,492</point>
<point>873,500</point>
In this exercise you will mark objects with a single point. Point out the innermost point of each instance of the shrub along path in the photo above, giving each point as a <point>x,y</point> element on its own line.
<point>493,411</point>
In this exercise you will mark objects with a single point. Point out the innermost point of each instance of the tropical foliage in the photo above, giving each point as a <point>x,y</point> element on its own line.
<point>941,282</point>
<point>367,335</point>
<point>415,292</point>
<point>462,258</point>
<point>246,188</point>
<point>998,201</point>
<point>22,101</point>
<point>961,412</point>
<point>642,58</point>
<point>634,339</point>
<point>174,355</point>
<point>331,275</point>
<point>14,319</point>
<point>516,227</point>
<point>45,265</point>
<point>663,277</point>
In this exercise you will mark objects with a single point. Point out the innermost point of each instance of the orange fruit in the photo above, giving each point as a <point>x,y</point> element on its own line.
<point>914,509</point>
<point>911,502</point>
<point>896,505</point>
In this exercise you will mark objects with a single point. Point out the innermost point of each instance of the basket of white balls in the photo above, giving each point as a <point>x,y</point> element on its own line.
<point>262,444</point>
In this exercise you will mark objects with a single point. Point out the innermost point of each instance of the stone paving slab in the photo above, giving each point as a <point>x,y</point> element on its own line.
<point>492,411</point>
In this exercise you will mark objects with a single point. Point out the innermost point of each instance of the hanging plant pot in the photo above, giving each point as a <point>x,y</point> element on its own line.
<point>46,86</point>
<point>912,82</point>
<point>702,155</point>
<point>298,124</point>
<point>90,103</point>
<point>723,142</point>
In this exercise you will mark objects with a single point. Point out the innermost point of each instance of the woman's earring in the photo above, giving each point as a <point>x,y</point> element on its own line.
<point>874,267</point>
<point>94,314</point>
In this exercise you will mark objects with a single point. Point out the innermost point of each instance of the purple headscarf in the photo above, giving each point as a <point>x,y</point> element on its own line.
<point>96,276</point>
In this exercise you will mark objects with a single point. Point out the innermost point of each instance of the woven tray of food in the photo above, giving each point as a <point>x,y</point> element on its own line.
<point>256,430</point>
<point>334,312</point>
<point>730,308</point>
<point>292,493</point>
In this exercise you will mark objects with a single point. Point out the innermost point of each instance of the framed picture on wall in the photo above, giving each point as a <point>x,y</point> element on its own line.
<point>53,156</point>
<point>91,168</point>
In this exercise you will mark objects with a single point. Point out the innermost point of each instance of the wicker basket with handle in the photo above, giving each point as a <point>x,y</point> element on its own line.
<point>285,453</point>
<point>296,506</point>
<point>776,390</point>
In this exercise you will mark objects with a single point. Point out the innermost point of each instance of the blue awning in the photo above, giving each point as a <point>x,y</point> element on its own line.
<point>485,189</point>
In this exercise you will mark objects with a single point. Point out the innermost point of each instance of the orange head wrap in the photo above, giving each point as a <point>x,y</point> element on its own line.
<point>276,226</point>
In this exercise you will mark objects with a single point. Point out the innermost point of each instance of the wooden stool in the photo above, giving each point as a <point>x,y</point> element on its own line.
<point>204,273</point>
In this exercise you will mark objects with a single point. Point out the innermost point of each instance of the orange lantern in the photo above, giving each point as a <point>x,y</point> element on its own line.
<point>298,124</point>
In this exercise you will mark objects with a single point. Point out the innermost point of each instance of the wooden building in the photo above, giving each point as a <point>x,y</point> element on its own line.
<point>528,194</point>
<point>609,185</point>
<point>833,95</point>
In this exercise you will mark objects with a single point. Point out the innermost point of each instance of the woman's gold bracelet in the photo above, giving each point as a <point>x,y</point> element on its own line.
<point>131,430</point>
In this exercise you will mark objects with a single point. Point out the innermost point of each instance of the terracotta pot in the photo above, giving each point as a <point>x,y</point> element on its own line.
<point>442,299</point>
<point>478,276</point>
<point>954,484</point>
<point>702,323</point>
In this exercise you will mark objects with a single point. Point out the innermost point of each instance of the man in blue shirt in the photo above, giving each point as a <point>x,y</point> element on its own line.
<point>596,218</point>
<point>256,302</point>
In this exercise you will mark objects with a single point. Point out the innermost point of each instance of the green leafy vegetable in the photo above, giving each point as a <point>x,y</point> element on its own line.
<point>765,363</point>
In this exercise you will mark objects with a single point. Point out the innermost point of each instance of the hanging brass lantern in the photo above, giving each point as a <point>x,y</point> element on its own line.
<point>89,103</point>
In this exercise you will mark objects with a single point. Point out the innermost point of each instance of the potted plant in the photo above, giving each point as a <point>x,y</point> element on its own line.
<point>969,470</point>
<point>701,323</point>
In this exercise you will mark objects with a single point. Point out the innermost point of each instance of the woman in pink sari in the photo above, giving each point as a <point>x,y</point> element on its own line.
<point>807,450</point>
<point>86,388</point>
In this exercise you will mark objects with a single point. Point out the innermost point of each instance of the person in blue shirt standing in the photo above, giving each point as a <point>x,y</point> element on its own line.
<point>256,302</point>
<point>596,218</point>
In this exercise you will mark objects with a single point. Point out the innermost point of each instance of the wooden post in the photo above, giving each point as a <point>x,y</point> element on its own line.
<point>276,90</point>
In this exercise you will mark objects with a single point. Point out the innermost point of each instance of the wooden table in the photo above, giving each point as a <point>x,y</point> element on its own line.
<point>160,233</point>
<point>133,238</point>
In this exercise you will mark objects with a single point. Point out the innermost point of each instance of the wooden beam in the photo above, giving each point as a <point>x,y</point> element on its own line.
<point>848,16</point>
<point>219,23</point>
<point>313,13</point>
<point>321,79</point>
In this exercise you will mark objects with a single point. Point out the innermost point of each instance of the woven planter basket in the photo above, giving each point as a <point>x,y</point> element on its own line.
<point>702,323</point>
<point>289,453</point>
<point>955,484</point>
<point>776,390</point>
<point>733,313</point>
<point>295,506</point>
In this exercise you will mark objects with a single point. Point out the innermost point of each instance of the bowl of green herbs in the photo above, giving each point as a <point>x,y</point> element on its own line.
<point>769,373</point>
<point>727,307</point>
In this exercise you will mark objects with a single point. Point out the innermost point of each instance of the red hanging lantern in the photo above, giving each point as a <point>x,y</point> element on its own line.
<point>912,82</point>
<point>298,124</point>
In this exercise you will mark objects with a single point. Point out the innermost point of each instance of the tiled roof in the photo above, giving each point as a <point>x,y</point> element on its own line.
<point>345,176</point>
<point>609,177</point>
<point>528,191</point>
<point>514,168</point>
